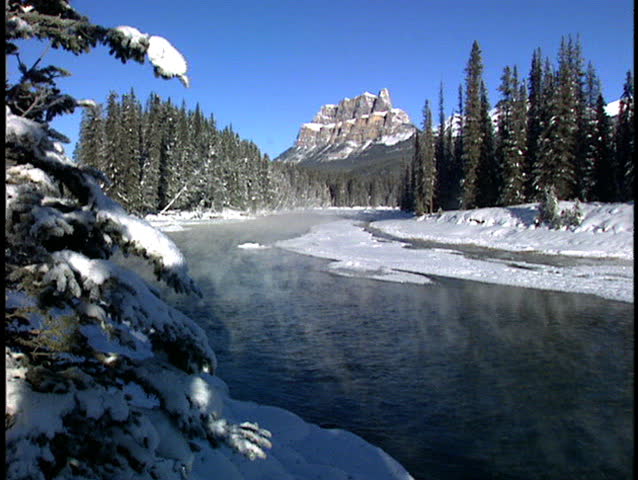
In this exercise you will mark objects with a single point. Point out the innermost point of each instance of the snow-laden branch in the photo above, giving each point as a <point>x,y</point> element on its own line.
<point>135,304</point>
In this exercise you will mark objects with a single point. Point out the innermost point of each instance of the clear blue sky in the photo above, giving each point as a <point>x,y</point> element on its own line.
<point>267,66</point>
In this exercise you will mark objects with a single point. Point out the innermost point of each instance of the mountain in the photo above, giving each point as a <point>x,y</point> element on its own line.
<point>361,133</point>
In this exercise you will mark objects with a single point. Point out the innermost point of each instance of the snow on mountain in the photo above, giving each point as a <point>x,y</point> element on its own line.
<point>350,128</point>
<point>612,109</point>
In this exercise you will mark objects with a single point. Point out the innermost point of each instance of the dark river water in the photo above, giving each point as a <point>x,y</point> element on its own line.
<point>455,380</point>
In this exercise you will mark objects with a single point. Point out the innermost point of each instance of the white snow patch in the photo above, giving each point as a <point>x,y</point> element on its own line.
<point>300,450</point>
<point>315,127</point>
<point>174,220</point>
<point>168,61</point>
<point>136,39</point>
<point>396,138</point>
<point>612,109</point>
<point>606,232</point>
<point>252,246</point>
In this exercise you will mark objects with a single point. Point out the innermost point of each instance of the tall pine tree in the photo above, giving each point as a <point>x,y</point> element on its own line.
<point>512,139</point>
<point>625,147</point>
<point>473,128</point>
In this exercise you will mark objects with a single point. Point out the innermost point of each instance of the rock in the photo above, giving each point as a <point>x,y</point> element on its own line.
<point>351,128</point>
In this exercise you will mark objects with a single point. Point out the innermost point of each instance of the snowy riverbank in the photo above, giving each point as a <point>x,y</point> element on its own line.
<point>299,450</point>
<point>594,258</point>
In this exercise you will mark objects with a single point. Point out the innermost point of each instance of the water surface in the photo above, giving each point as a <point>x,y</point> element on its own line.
<point>455,380</point>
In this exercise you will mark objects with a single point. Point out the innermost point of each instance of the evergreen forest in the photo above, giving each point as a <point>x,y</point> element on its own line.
<point>549,131</point>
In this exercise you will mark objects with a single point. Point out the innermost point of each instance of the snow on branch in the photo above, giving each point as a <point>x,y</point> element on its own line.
<point>128,42</point>
<point>167,60</point>
<point>138,237</point>
<point>133,234</point>
<point>134,303</point>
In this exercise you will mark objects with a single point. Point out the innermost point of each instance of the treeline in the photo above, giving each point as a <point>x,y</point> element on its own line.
<point>352,189</point>
<point>162,156</point>
<point>550,132</point>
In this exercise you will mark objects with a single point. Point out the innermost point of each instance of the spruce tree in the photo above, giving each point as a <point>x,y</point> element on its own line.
<point>489,176</point>
<point>153,126</point>
<point>473,128</point>
<point>444,159</point>
<point>113,131</point>
<point>86,338</point>
<point>604,168</point>
<point>455,133</point>
<point>625,147</point>
<point>92,142</point>
<point>535,121</point>
<point>556,165</point>
<point>130,159</point>
<point>428,153</point>
<point>417,180</point>
<point>512,138</point>
<point>588,139</point>
<point>166,190</point>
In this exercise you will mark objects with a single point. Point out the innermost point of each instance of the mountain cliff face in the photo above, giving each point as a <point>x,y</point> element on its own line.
<point>355,132</point>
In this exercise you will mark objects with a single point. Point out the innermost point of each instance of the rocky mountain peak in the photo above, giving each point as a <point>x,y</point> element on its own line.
<point>340,131</point>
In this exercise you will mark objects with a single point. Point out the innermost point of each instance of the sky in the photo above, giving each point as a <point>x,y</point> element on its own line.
<point>267,66</point>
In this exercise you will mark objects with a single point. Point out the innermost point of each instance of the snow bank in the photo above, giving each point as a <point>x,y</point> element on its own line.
<point>252,246</point>
<point>605,233</point>
<point>607,230</point>
<point>175,220</point>
<point>299,450</point>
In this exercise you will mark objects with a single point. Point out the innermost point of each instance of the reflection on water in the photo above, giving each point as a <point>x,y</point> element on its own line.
<point>456,380</point>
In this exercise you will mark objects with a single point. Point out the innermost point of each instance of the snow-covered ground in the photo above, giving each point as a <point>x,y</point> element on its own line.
<point>174,221</point>
<point>605,236</point>
<point>299,450</point>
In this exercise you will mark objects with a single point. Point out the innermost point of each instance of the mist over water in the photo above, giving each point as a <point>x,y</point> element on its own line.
<point>455,380</point>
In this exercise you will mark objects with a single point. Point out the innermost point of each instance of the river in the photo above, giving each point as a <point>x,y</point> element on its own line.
<point>454,379</point>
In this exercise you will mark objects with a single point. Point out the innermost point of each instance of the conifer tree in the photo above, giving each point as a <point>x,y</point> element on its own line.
<point>535,121</point>
<point>489,176</point>
<point>557,163</point>
<point>588,140</point>
<point>512,138</point>
<point>407,188</point>
<point>84,335</point>
<point>153,125</point>
<point>604,168</point>
<point>625,147</point>
<point>444,159</point>
<point>113,131</point>
<point>428,149</point>
<point>473,128</point>
<point>130,160</point>
<point>91,146</point>
<point>455,134</point>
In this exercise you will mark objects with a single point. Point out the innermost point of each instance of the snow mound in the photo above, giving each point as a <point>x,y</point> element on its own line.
<point>252,246</point>
<point>605,234</point>
<point>300,451</point>
<point>606,230</point>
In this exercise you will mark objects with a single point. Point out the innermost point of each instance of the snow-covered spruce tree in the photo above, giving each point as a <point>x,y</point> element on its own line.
<point>472,128</point>
<point>625,140</point>
<point>104,380</point>
<point>557,161</point>
<point>511,138</point>
<point>536,116</point>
